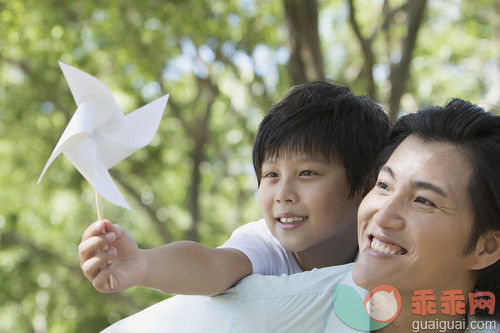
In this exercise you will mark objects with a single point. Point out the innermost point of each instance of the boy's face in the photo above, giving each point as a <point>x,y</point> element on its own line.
<point>305,202</point>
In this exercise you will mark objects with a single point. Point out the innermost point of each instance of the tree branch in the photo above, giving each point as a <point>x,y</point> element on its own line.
<point>149,209</point>
<point>400,72</point>
<point>366,49</point>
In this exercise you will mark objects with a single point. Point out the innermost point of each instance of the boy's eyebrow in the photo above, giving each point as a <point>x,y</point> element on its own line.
<point>418,183</point>
<point>313,159</point>
<point>302,159</point>
<point>269,161</point>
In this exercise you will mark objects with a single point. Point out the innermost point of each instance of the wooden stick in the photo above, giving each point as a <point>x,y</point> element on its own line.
<point>99,216</point>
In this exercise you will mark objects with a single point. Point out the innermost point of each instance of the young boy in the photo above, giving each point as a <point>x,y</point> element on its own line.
<point>314,156</point>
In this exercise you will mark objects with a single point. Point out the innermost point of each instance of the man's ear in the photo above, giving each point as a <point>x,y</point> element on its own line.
<point>487,250</point>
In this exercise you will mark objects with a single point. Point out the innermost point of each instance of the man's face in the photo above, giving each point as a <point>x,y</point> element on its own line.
<point>415,223</point>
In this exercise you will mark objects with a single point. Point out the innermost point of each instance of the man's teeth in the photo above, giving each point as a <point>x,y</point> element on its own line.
<point>385,248</point>
<point>291,219</point>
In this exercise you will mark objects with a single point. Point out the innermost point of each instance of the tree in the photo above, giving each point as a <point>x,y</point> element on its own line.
<point>224,64</point>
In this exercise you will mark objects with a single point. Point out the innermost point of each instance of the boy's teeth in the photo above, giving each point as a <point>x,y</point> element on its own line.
<point>291,219</point>
<point>385,248</point>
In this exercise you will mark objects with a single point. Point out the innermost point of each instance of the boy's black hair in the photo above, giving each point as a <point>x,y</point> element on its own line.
<point>325,120</point>
<point>477,134</point>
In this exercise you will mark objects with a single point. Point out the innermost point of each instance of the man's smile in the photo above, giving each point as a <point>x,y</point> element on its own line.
<point>385,247</point>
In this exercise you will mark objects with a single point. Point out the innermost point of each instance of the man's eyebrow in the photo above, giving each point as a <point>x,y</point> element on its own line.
<point>430,186</point>
<point>418,183</point>
<point>387,169</point>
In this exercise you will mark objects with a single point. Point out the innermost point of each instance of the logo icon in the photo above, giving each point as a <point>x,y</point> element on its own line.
<point>487,301</point>
<point>380,307</point>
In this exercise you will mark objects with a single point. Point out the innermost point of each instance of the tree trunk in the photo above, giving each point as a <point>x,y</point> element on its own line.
<point>194,188</point>
<point>200,133</point>
<point>306,59</point>
<point>366,48</point>
<point>400,71</point>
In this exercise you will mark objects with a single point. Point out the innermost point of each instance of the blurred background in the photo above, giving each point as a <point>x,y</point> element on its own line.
<point>224,63</point>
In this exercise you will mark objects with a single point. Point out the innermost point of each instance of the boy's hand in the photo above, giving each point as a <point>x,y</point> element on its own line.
<point>122,259</point>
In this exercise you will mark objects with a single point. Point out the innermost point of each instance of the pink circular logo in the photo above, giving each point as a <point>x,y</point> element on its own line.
<point>383,303</point>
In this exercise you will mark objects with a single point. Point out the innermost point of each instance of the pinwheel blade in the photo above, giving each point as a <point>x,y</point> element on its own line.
<point>99,135</point>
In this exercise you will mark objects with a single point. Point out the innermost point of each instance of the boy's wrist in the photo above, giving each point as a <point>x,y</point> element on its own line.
<point>144,269</point>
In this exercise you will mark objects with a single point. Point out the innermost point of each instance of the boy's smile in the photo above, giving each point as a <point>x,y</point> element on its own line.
<point>305,202</point>
<point>290,221</point>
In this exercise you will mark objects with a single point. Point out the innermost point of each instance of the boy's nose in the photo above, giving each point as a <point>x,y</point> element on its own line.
<point>286,194</point>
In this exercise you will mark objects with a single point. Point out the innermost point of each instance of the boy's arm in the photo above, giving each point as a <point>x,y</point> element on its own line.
<point>191,268</point>
<point>179,268</point>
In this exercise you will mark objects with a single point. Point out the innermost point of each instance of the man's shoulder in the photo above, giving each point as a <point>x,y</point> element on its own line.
<point>314,281</point>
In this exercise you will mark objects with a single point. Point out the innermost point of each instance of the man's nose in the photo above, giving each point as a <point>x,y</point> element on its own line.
<point>389,213</point>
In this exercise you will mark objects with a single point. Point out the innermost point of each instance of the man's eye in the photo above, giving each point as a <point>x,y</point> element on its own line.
<point>424,201</point>
<point>382,185</point>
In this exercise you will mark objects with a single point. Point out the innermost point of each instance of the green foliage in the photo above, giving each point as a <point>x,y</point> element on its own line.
<point>224,64</point>
<point>456,54</point>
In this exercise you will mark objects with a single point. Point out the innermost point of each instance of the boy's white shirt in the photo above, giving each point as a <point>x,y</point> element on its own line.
<point>263,250</point>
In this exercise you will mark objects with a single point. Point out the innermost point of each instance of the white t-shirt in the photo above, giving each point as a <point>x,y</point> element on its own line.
<point>265,252</point>
<point>259,303</point>
<point>268,304</point>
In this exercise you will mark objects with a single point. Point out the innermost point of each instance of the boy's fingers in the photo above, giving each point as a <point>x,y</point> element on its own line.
<point>93,266</point>
<point>101,281</point>
<point>94,229</point>
<point>90,247</point>
<point>97,228</point>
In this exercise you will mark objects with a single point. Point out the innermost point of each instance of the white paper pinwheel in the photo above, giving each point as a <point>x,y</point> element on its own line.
<point>99,135</point>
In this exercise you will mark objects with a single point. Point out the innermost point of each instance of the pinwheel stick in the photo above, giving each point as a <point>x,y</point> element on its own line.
<point>100,218</point>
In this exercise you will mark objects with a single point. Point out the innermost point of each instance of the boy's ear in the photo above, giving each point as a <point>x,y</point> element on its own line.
<point>487,250</point>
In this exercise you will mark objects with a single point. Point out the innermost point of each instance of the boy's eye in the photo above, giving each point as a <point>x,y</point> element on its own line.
<point>307,173</point>
<point>270,175</point>
<point>424,201</point>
